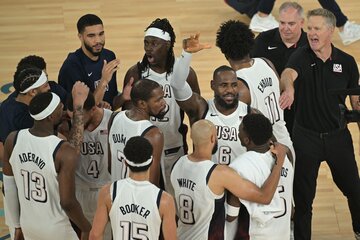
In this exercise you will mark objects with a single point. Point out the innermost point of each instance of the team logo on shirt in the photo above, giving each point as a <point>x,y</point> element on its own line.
<point>337,68</point>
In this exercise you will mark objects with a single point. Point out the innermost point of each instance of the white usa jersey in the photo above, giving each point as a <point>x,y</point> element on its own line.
<point>201,212</point>
<point>121,130</point>
<point>172,123</point>
<point>134,213</point>
<point>92,170</point>
<point>227,128</point>
<point>32,162</point>
<point>256,167</point>
<point>264,90</point>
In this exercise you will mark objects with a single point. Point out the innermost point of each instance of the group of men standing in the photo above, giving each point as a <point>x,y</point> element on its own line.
<point>120,162</point>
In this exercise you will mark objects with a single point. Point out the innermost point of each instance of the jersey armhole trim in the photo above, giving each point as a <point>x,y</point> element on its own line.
<point>159,198</point>
<point>114,191</point>
<point>243,81</point>
<point>15,138</point>
<point>57,148</point>
<point>209,173</point>
<point>146,130</point>
<point>205,112</point>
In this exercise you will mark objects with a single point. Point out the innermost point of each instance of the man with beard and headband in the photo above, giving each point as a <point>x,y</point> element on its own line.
<point>157,65</point>
<point>89,135</point>
<point>39,171</point>
<point>148,101</point>
<point>200,186</point>
<point>92,64</point>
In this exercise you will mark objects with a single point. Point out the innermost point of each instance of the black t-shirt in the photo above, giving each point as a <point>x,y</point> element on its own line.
<point>269,45</point>
<point>78,67</point>
<point>317,109</point>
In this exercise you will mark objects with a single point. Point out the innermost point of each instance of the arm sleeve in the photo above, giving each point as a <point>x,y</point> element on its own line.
<point>11,202</point>
<point>181,88</point>
<point>354,75</point>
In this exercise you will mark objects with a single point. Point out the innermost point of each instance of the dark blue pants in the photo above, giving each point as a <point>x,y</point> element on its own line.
<point>336,148</point>
<point>333,7</point>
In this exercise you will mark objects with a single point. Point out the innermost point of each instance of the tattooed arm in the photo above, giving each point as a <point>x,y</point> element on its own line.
<point>79,94</point>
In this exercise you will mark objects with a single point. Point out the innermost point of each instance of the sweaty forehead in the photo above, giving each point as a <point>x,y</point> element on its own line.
<point>157,92</point>
<point>225,76</point>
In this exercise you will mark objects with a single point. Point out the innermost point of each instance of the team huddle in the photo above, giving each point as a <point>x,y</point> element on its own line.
<point>90,172</point>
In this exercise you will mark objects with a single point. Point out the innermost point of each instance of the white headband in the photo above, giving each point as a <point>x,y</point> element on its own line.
<point>156,32</point>
<point>49,109</point>
<point>139,164</point>
<point>41,80</point>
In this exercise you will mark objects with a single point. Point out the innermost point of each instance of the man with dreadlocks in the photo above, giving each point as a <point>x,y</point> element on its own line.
<point>157,65</point>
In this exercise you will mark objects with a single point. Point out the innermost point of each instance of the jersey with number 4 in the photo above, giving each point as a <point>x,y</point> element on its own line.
<point>256,167</point>
<point>264,90</point>
<point>92,170</point>
<point>201,212</point>
<point>121,130</point>
<point>32,162</point>
<point>134,213</point>
<point>227,129</point>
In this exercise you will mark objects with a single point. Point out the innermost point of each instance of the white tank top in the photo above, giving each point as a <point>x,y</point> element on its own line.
<point>134,213</point>
<point>171,124</point>
<point>92,170</point>
<point>256,167</point>
<point>32,162</point>
<point>201,212</point>
<point>121,130</point>
<point>227,127</point>
<point>264,90</point>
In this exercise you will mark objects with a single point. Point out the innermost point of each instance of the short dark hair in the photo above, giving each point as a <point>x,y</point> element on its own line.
<point>235,39</point>
<point>87,20</point>
<point>222,68</point>
<point>164,25</point>
<point>138,150</point>
<point>257,127</point>
<point>40,102</point>
<point>142,90</point>
<point>25,76</point>
<point>88,104</point>
<point>33,60</point>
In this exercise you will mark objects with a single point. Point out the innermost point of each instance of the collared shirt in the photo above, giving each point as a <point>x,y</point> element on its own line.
<point>270,45</point>
<point>317,108</point>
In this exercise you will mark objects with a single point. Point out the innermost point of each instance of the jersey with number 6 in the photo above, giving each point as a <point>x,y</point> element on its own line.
<point>227,128</point>
<point>92,170</point>
<point>134,213</point>
<point>256,167</point>
<point>264,88</point>
<point>121,130</point>
<point>32,162</point>
<point>201,212</point>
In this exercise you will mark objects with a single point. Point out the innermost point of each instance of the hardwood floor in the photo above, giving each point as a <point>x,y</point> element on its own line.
<point>48,29</point>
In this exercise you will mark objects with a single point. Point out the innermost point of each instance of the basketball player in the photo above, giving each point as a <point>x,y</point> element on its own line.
<point>136,208</point>
<point>148,101</point>
<point>200,184</point>
<point>92,171</point>
<point>39,170</point>
<point>259,83</point>
<point>225,111</point>
<point>157,65</point>
<point>255,165</point>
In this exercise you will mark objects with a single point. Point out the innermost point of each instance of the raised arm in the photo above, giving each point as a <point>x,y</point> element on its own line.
<point>79,93</point>
<point>156,138</point>
<point>287,79</point>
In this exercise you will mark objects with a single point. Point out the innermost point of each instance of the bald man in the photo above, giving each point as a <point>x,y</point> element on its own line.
<point>195,174</point>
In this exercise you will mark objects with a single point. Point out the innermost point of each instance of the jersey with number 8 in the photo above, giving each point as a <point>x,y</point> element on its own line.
<point>200,211</point>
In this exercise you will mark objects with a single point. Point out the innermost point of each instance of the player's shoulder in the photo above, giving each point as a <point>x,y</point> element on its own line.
<point>107,53</point>
<point>267,36</point>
